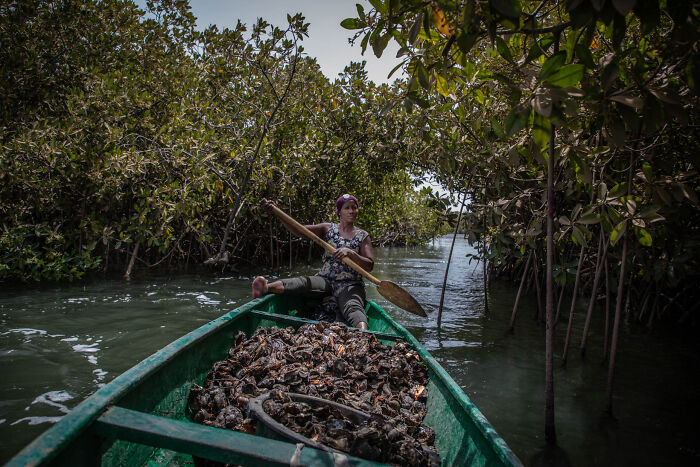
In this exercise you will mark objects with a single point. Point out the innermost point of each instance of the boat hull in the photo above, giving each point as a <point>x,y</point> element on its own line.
<point>141,416</point>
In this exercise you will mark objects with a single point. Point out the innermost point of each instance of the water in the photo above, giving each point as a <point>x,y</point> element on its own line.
<point>58,344</point>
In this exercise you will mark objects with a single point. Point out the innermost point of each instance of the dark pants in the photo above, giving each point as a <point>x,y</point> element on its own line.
<point>351,300</point>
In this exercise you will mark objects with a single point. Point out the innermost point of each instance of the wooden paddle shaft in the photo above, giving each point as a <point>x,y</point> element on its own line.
<point>304,232</point>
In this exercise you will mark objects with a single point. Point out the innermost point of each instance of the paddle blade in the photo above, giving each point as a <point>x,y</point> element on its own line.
<point>399,297</point>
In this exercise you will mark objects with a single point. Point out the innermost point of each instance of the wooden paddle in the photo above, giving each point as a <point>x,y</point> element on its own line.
<point>389,290</point>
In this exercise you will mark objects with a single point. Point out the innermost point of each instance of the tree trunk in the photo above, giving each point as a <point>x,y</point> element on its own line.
<point>486,284</point>
<point>602,244</point>
<point>520,291</point>
<point>449,259</point>
<point>106,259</point>
<point>645,304</point>
<point>607,312</point>
<point>618,305</point>
<point>559,302</point>
<point>189,250</point>
<point>221,257</point>
<point>127,274</point>
<point>574,295</point>
<point>540,315</point>
<point>616,329</point>
<point>290,243</point>
<point>653,310</point>
<point>549,428</point>
<point>626,309</point>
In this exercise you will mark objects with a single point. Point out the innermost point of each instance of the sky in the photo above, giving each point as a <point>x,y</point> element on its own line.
<point>327,40</point>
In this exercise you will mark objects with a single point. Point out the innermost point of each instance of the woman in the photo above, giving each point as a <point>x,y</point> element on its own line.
<point>335,279</point>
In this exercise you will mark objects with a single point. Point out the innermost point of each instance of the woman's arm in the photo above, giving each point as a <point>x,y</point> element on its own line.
<point>319,229</point>
<point>365,259</point>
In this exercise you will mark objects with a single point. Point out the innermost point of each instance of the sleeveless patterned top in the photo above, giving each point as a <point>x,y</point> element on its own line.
<point>339,273</point>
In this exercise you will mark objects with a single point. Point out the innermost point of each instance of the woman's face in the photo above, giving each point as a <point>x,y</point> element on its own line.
<point>349,211</point>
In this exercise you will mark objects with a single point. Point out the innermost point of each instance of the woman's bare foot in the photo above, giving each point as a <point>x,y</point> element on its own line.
<point>259,287</point>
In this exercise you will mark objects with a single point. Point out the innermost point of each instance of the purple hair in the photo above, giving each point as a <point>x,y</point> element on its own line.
<point>344,199</point>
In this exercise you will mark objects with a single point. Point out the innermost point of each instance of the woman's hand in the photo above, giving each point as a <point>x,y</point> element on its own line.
<point>343,252</point>
<point>267,204</point>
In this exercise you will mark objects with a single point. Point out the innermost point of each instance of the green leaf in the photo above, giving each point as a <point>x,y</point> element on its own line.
<point>542,102</point>
<point>578,236</point>
<point>588,219</point>
<point>350,23</point>
<point>643,236</point>
<point>598,4</point>
<point>648,12</point>
<point>616,133</point>
<point>415,29</point>
<point>495,125</point>
<point>508,8</point>
<point>364,42</point>
<point>565,76</point>
<point>631,101</point>
<point>387,108</point>
<point>538,48</point>
<point>552,65</point>
<point>619,30</point>
<point>541,131</point>
<point>646,168</point>
<point>422,76</point>
<point>465,41</point>
<point>443,85</point>
<point>618,232</point>
<point>360,11</point>
<point>623,6</point>
<point>380,6</point>
<point>516,121</point>
<point>618,190</point>
<point>380,44</point>
<point>503,49</point>
<point>584,54</point>
<point>395,68</point>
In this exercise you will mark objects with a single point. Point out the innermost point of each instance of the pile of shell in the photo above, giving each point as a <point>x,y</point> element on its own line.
<point>330,361</point>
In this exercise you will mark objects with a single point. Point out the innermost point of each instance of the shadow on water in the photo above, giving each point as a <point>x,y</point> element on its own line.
<point>551,456</point>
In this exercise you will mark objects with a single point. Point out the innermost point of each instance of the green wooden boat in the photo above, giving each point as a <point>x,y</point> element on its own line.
<point>140,417</point>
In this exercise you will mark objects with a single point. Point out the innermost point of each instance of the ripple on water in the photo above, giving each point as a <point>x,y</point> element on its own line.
<point>87,347</point>
<point>37,420</point>
<point>201,298</point>
<point>28,333</point>
<point>79,300</point>
<point>51,398</point>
